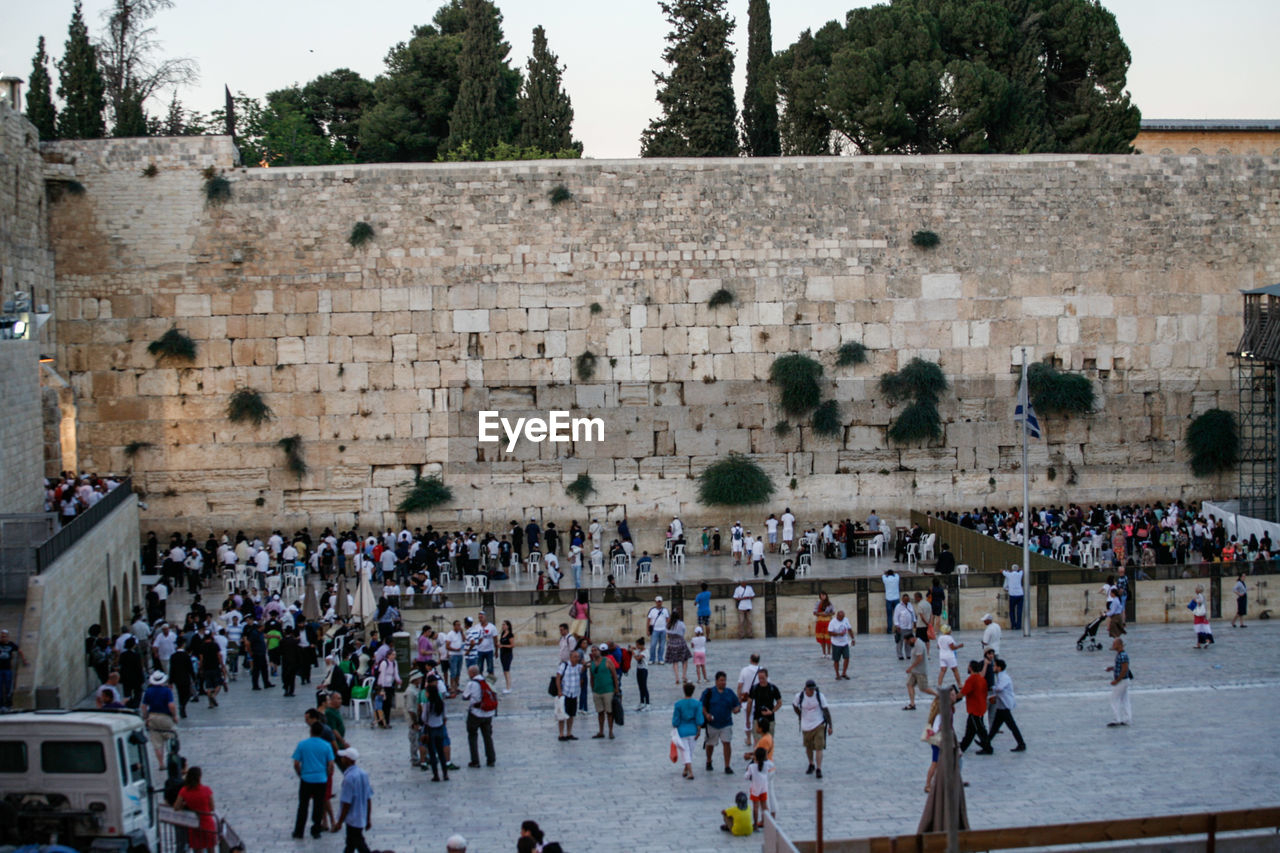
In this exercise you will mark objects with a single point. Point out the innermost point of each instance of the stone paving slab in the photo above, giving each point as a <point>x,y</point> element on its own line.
<point>1203,738</point>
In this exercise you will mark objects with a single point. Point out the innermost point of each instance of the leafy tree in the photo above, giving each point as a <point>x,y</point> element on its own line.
<point>40,109</point>
<point>760,101</point>
<point>409,120</point>
<point>485,111</point>
<point>336,102</point>
<point>805,126</point>
<point>970,76</point>
<point>543,107</point>
<point>80,84</point>
<point>128,56</point>
<point>179,121</point>
<point>699,118</point>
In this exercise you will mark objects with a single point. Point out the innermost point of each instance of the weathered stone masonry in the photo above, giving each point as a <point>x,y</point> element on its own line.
<point>1127,268</point>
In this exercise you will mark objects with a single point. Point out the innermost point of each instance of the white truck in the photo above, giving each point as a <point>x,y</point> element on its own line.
<point>81,779</point>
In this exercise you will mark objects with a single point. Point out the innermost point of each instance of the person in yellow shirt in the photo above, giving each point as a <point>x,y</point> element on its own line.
<point>737,818</point>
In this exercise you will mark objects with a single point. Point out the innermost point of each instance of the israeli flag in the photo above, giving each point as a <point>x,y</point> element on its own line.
<point>1024,414</point>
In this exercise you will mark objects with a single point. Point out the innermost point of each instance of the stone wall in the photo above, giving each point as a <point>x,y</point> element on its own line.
<point>26,259</point>
<point>475,286</point>
<point>94,581</point>
<point>21,428</point>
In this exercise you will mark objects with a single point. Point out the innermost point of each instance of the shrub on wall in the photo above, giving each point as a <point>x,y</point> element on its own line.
<point>586,365</point>
<point>782,428</point>
<point>723,296</point>
<point>851,353</point>
<point>1054,392</point>
<point>581,488</point>
<point>925,239</point>
<point>425,493</point>
<point>133,448</point>
<point>293,461</point>
<point>796,377</point>
<point>1213,442</point>
<point>734,481</point>
<point>918,422</point>
<point>920,383</point>
<point>217,189</point>
<point>361,233</point>
<point>826,419</point>
<point>246,406</point>
<point>173,344</point>
<point>559,194</point>
<point>151,170</point>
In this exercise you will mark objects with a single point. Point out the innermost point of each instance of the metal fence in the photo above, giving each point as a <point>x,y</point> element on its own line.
<point>174,825</point>
<point>57,544</point>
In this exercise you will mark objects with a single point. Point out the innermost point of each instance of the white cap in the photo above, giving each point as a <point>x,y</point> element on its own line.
<point>350,752</point>
<point>986,617</point>
<point>456,842</point>
<point>657,598</point>
<point>604,647</point>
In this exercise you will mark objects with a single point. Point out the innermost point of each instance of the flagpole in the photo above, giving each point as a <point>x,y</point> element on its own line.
<point>1026,507</point>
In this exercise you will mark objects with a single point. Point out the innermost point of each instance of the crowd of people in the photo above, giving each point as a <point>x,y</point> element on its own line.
<point>68,495</point>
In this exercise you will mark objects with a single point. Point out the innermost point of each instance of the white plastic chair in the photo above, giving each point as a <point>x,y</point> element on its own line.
<point>475,583</point>
<point>621,565</point>
<point>962,570</point>
<point>912,556</point>
<point>535,562</point>
<point>442,572</point>
<point>1087,560</point>
<point>273,584</point>
<point>666,550</point>
<point>597,564</point>
<point>229,581</point>
<point>926,547</point>
<point>804,564</point>
<point>677,556</point>
<point>367,701</point>
<point>876,545</point>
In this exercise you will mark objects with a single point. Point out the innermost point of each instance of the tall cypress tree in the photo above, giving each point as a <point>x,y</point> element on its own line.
<point>484,113</point>
<point>699,117</point>
<point>131,119</point>
<point>80,84</point>
<point>760,100</point>
<point>544,108</point>
<point>40,109</point>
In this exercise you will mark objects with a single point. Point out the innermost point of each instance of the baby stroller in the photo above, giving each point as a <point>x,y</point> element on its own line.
<point>1091,635</point>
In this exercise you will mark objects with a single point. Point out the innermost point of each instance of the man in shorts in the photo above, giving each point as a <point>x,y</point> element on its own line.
<point>815,724</point>
<point>569,685</point>
<point>916,674</point>
<point>841,633</point>
<point>604,684</point>
<point>719,703</point>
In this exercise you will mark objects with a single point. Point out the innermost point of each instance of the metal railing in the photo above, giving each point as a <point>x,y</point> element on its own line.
<point>57,544</point>
<point>174,825</point>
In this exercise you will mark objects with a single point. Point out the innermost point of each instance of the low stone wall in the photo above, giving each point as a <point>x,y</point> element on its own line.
<point>94,581</point>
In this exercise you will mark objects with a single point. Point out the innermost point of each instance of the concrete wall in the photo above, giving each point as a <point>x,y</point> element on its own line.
<point>21,427</point>
<point>95,580</point>
<point>477,289</point>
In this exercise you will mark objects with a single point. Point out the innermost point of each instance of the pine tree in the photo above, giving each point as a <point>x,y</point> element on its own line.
<point>760,100</point>
<point>40,109</point>
<point>544,108</point>
<point>699,118</point>
<point>484,113</point>
<point>131,119</point>
<point>80,84</point>
<point>802,82</point>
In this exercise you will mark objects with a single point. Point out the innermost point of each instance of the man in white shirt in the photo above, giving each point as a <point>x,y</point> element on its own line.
<point>841,632</point>
<point>990,634</point>
<point>743,594</point>
<point>289,555</point>
<point>890,579</point>
<point>486,647</point>
<point>657,619</point>
<point>757,559</point>
<point>164,645</point>
<point>788,528</point>
<point>1013,583</point>
<point>747,680</point>
<point>904,622</point>
<point>735,542</point>
<point>595,531</point>
<point>479,721</point>
<point>275,542</point>
<point>771,531</point>
<point>453,642</point>
<point>677,529</point>
<point>815,724</point>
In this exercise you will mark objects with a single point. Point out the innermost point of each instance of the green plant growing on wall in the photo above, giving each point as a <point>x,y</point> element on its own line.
<point>851,353</point>
<point>826,419</point>
<point>925,239</point>
<point>151,170</point>
<point>217,189</point>
<point>796,377</point>
<point>1054,392</point>
<point>734,481</point>
<point>294,463</point>
<point>247,406</point>
<point>559,194</point>
<point>173,344</point>
<point>723,296</point>
<point>425,494</point>
<point>581,488</point>
<point>361,233</point>
<point>919,384</point>
<point>133,448</point>
<point>586,365</point>
<point>1213,441</point>
<point>596,308</point>
<point>782,429</point>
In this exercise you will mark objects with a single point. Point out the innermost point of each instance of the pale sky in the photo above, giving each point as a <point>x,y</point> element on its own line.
<point>1191,59</point>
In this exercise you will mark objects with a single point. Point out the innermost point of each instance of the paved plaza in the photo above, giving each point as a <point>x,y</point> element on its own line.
<point>1205,726</point>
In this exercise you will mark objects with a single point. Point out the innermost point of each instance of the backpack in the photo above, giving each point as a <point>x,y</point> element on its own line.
<point>488,699</point>
<point>625,665</point>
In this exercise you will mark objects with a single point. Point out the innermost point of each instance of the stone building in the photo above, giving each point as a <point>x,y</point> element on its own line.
<point>1209,136</point>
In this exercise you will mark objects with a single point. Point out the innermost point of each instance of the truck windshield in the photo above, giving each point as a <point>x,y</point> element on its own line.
<point>72,756</point>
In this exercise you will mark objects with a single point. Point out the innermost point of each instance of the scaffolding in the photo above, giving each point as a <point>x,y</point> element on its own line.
<point>1257,374</point>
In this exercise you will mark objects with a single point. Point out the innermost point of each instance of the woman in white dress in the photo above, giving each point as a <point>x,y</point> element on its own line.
<point>947,646</point>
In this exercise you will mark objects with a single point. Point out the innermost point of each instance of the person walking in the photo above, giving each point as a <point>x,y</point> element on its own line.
<point>640,660</point>
<point>840,631</point>
<point>435,732</point>
<point>1013,584</point>
<point>975,692</point>
<point>904,625</point>
<point>822,613</point>
<point>1200,619</point>
<point>481,708</point>
<point>687,718</point>
<point>357,802</point>
<point>657,619</point>
<point>766,701</point>
<point>1002,696</point>
<point>196,797</point>
<point>604,685</point>
<point>387,679</point>
<point>160,713</point>
<point>1241,590</point>
<point>313,764</point>
<point>698,645</point>
<point>891,583</point>
<point>678,654</point>
<point>917,676</point>
<point>506,651</point>
<point>1115,614</point>
<point>1122,674</point>
<point>933,736</point>
<point>569,687</point>
<point>746,681</point>
<point>743,594</point>
<point>947,647</point>
<point>719,704</point>
<point>757,776</point>
<point>815,724</point>
<point>990,634</point>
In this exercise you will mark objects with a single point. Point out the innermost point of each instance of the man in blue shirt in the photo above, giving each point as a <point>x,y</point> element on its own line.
<point>357,801</point>
<point>719,704</point>
<point>703,600</point>
<point>313,762</point>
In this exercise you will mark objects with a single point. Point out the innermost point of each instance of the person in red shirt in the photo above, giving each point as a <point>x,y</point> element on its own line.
<point>974,692</point>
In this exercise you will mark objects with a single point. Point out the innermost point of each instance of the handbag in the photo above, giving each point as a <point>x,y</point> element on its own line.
<point>618,712</point>
<point>553,689</point>
<point>932,634</point>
